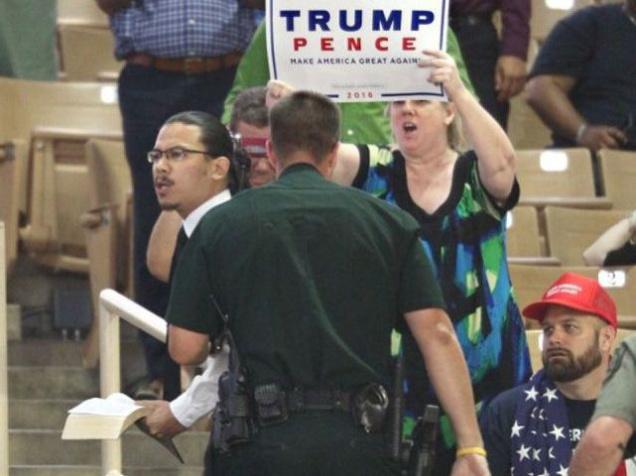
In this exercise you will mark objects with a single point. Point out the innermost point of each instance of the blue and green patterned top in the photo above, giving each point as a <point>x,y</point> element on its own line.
<point>465,241</point>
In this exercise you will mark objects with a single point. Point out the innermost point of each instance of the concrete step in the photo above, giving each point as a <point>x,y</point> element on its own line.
<point>39,414</point>
<point>61,470</point>
<point>51,352</point>
<point>139,450</point>
<point>52,383</point>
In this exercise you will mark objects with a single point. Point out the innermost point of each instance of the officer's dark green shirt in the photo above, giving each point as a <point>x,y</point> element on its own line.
<point>313,277</point>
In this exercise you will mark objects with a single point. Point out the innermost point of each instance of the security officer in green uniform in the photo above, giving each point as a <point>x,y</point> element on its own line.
<point>311,278</point>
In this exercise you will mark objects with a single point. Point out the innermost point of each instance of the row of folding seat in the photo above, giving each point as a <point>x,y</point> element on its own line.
<point>85,42</point>
<point>43,172</point>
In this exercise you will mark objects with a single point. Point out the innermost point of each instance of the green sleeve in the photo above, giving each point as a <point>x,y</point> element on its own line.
<point>453,49</point>
<point>253,70</point>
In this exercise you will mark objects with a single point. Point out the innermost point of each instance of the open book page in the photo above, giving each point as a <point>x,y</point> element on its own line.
<point>116,404</point>
<point>107,418</point>
<point>102,418</point>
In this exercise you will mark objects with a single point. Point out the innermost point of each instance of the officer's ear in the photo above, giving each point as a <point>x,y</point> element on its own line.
<point>330,160</point>
<point>272,158</point>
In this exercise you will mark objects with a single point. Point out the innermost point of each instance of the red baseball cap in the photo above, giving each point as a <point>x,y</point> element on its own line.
<point>576,292</point>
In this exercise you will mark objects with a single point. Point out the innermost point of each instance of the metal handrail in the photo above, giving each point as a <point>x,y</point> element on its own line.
<point>114,306</point>
<point>4,408</point>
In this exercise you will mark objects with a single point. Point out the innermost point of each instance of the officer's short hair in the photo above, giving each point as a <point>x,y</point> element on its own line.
<point>304,122</point>
<point>250,108</point>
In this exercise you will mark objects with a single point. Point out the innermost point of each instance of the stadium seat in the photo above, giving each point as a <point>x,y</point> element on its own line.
<point>87,53</point>
<point>80,12</point>
<point>618,170</point>
<point>525,129</point>
<point>570,231</point>
<point>524,244</point>
<point>535,344</point>
<point>522,230</point>
<point>56,119</point>
<point>57,197</point>
<point>562,177</point>
<point>530,282</point>
<point>107,227</point>
<point>26,105</point>
<point>546,14</point>
<point>13,154</point>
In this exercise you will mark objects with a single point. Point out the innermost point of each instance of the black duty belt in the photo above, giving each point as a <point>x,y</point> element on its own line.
<point>299,400</point>
<point>272,404</point>
<point>368,404</point>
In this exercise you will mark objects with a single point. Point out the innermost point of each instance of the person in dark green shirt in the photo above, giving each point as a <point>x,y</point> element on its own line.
<point>312,277</point>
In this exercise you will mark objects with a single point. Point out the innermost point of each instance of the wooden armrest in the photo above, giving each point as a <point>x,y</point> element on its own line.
<point>74,133</point>
<point>627,322</point>
<point>596,203</point>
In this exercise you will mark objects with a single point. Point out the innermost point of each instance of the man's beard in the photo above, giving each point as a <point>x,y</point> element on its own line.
<point>567,368</point>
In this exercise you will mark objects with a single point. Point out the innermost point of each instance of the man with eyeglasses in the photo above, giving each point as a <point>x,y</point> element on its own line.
<point>178,55</point>
<point>250,125</point>
<point>192,173</point>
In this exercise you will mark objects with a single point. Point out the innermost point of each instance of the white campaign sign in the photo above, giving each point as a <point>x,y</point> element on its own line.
<point>356,50</point>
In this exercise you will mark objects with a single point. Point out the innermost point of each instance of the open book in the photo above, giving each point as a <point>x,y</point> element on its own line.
<point>107,418</point>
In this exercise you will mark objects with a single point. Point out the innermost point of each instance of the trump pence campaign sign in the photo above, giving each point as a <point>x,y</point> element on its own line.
<point>356,50</point>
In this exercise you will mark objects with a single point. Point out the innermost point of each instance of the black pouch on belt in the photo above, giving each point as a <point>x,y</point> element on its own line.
<point>270,404</point>
<point>370,407</point>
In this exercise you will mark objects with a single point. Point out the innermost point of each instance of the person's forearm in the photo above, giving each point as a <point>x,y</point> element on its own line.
<point>495,153</point>
<point>448,373</point>
<point>553,106</point>
<point>602,447</point>
<point>161,245</point>
<point>347,165</point>
<point>612,239</point>
<point>113,6</point>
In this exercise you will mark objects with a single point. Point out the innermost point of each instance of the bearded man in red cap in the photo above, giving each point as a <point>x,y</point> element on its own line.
<point>534,428</point>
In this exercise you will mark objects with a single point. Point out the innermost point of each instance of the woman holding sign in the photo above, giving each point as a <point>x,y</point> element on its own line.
<point>460,200</point>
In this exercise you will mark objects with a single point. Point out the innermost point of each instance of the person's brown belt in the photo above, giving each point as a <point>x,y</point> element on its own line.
<point>192,65</point>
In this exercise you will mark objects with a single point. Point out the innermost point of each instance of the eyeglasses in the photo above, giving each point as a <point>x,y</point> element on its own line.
<point>174,154</point>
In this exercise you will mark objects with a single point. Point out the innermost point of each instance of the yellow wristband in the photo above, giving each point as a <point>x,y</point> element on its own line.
<point>470,450</point>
